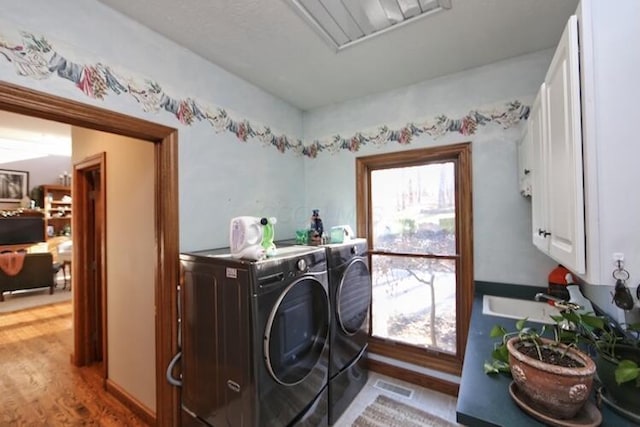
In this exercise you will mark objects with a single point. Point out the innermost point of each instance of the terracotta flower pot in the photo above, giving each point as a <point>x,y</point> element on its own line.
<point>556,391</point>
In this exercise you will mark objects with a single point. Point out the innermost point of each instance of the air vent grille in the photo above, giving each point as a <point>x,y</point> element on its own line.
<point>407,393</point>
<point>342,23</point>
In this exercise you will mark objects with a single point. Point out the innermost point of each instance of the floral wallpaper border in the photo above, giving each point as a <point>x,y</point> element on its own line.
<point>36,58</point>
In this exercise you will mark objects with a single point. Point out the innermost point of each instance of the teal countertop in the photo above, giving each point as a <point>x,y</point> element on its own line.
<point>484,400</point>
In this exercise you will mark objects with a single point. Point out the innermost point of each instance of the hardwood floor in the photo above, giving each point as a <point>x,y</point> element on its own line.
<point>38,384</point>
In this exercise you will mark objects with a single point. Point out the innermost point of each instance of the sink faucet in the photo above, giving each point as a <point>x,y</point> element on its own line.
<point>545,297</point>
<point>556,302</point>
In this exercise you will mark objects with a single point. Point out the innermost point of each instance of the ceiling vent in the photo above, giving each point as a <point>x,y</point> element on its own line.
<point>343,23</point>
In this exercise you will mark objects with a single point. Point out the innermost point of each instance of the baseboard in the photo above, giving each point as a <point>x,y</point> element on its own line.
<point>131,402</point>
<point>413,377</point>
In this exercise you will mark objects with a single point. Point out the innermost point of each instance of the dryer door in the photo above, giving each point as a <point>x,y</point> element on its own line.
<point>353,297</point>
<point>297,331</point>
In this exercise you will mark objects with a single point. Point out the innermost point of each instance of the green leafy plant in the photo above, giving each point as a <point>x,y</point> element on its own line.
<point>576,330</point>
<point>628,370</point>
<point>593,331</point>
<point>529,337</point>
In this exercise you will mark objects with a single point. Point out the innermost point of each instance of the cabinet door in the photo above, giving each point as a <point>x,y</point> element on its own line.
<point>537,133</point>
<point>564,154</point>
<point>525,153</point>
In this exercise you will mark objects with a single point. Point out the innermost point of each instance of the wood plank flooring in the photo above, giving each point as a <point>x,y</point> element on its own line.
<point>38,384</point>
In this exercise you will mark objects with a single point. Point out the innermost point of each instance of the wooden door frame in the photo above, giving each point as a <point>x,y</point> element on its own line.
<point>82,304</point>
<point>21,100</point>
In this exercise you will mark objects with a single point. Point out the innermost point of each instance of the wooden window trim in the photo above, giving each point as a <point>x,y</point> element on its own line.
<point>461,154</point>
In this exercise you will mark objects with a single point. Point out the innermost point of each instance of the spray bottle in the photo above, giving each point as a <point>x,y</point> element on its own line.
<point>268,235</point>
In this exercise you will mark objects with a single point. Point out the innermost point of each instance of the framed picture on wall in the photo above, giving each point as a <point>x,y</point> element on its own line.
<point>14,185</point>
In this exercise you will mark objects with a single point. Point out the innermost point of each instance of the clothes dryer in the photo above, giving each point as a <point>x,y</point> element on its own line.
<point>350,293</point>
<point>255,339</point>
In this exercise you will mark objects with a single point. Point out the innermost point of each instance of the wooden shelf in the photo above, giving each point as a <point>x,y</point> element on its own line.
<point>52,203</point>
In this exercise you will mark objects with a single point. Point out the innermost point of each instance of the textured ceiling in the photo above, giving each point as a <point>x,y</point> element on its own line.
<point>268,44</point>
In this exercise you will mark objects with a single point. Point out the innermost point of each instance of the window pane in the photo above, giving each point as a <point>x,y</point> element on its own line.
<point>414,301</point>
<point>413,209</point>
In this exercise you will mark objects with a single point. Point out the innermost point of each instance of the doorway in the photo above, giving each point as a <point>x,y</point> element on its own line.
<point>90,222</point>
<point>25,101</point>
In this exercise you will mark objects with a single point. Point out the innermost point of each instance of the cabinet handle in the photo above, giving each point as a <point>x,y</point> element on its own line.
<point>543,233</point>
<point>527,171</point>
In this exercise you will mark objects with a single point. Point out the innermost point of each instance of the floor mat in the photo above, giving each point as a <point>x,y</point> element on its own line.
<point>386,412</point>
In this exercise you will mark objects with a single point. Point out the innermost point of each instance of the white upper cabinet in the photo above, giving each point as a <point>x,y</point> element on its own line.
<point>583,130</point>
<point>609,63</point>
<point>555,132</point>
<point>525,159</point>
<point>565,187</point>
<point>536,130</point>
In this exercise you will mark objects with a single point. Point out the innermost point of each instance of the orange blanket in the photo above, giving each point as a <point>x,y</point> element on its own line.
<point>11,262</point>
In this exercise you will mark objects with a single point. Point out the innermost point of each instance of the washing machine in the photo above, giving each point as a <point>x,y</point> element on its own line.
<point>350,294</point>
<point>255,339</point>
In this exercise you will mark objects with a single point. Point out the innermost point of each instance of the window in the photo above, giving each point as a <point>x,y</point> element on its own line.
<point>414,207</point>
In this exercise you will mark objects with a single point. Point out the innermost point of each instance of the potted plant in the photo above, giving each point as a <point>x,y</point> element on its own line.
<point>555,378</point>
<point>618,355</point>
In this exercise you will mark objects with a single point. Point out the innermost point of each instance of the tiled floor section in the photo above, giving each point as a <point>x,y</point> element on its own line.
<point>428,400</point>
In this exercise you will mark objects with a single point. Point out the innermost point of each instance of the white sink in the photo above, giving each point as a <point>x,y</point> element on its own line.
<point>514,308</point>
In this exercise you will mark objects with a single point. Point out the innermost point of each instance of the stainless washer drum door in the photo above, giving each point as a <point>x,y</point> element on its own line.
<point>353,297</point>
<point>297,331</point>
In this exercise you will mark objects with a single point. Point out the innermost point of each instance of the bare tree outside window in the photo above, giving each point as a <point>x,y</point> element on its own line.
<point>414,282</point>
<point>415,208</point>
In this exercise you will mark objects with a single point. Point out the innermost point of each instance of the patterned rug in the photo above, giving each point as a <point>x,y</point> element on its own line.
<point>386,412</point>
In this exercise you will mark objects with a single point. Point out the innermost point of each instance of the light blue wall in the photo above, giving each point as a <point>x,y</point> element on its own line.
<point>220,177</point>
<point>502,218</point>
